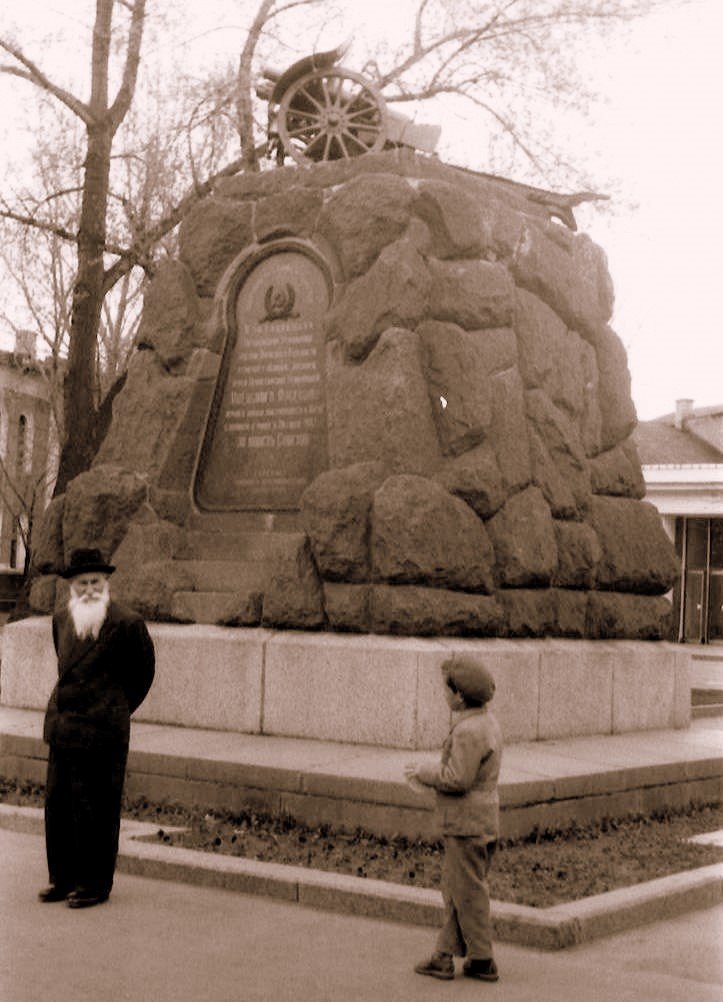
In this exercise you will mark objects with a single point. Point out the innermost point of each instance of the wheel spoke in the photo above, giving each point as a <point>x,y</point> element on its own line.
<point>333,87</point>
<point>340,140</point>
<point>305,131</point>
<point>305,116</point>
<point>371,110</point>
<point>358,94</point>
<point>307,93</point>
<point>355,139</point>
<point>315,141</point>
<point>327,96</point>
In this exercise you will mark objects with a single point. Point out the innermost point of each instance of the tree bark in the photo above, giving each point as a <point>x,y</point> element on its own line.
<point>80,395</point>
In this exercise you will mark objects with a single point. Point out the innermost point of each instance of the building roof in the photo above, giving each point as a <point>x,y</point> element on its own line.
<point>661,443</point>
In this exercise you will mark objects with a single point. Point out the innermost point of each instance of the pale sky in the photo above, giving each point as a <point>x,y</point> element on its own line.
<point>658,131</point>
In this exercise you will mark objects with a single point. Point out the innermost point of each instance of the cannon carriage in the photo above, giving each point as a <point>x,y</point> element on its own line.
<point>319,110</point>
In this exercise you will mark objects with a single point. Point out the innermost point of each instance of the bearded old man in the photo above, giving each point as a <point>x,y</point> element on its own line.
<point>106,664</point>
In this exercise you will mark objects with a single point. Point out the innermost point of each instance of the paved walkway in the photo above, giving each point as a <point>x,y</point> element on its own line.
<point>158,941</point>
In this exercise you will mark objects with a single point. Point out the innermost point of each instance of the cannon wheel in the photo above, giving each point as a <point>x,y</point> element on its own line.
<point>331,114</point>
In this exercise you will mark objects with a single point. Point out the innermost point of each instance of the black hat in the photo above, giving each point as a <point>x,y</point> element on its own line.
<point>86,562</point>
<point>469,676</point>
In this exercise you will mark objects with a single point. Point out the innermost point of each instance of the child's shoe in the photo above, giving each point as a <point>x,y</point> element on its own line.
<point>483,970</point>
<point>439,965</point>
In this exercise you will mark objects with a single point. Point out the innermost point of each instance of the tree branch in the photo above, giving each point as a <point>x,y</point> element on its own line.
<point>131,256</point>
<point>39,224</point>
<point>120,106</point>
<point>35,75</point>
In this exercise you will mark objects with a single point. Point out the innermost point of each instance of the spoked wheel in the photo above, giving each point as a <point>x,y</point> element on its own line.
<point>331,114</point>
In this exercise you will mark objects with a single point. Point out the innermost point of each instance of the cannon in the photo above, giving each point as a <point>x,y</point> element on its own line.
<point>319,110</point>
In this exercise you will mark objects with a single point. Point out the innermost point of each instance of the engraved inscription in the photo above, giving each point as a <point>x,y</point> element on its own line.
<point>268,439</point>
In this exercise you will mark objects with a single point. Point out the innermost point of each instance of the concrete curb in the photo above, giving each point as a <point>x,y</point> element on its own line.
<point>544,928</point>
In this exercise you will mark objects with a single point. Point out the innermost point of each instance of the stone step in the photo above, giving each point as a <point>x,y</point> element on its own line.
<point>245,521</point>
<point>213,608</point>
<point>543,784</point>
<point>210,545</point>
<point>233,576</point>
<point>704,697</point>
<point>707,710</point>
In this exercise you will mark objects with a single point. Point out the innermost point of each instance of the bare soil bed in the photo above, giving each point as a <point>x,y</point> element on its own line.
<point>546,868</point>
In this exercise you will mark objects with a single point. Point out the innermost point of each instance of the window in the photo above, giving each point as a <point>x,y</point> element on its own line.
<point>22,444</point>
<point>700,595</point>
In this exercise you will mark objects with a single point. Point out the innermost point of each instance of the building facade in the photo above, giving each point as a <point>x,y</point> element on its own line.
<point>682,459</point>
<point>28,452</point>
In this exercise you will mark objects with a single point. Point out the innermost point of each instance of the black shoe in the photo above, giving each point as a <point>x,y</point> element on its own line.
<point>85,899</point>
<point>52,893</point>
<point>483,970</point>
<point>439,965</point>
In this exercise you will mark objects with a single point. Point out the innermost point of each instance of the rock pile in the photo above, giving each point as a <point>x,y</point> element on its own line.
<point>481,476</point>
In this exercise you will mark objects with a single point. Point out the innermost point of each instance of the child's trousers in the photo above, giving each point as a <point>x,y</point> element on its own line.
<point>467,929</point>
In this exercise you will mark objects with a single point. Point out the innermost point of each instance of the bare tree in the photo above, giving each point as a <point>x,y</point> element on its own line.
<point>101,118</point>
<point>140,173</point>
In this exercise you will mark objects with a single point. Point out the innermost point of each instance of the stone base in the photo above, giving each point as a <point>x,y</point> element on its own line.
<point>377,690</point>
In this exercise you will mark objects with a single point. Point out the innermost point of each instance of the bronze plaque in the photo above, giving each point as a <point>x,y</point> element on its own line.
<point>267,437</point>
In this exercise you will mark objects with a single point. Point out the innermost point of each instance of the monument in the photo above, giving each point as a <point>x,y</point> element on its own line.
<point>376,399</point>
<point>377,395</point>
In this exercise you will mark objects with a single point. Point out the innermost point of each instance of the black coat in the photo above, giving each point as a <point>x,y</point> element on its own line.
<point>100,682</point>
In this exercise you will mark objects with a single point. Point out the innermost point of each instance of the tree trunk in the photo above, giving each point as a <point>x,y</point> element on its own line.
<point>80,395</point>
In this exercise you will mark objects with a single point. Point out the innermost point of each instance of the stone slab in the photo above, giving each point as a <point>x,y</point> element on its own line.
<point>361,690</point>
<point>373,689</point>
<point>205,677</point>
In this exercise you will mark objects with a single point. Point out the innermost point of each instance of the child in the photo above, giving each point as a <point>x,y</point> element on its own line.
<point>468,811</point>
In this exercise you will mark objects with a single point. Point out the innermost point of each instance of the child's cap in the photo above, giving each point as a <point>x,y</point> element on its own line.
<point>470,678</point>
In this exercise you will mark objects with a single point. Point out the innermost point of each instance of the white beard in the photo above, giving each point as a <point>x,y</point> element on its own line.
<point>88,613</point>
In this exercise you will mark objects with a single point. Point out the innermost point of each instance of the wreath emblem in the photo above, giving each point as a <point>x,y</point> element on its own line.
<point>279,303</point>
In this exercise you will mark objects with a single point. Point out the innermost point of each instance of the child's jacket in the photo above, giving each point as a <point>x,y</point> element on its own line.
<point>466,777</point>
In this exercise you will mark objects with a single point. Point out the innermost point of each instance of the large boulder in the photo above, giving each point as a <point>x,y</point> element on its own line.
<point>459,367</point>
<point>294,597</point>
<point>335,510</point>
<point>454,217</point>
<point>302,205</point>
<point>393,293</point>
<point>171,313</point>
<point>578,554</point>
<point>362,217</point>
<point>568,272</point>
<point>472,294</point>
<point>636,555</point>
<point>559,465</point>
<point>151,586</point>
<point>421,534</point>
<point>558,361</point>
<point>99,507</point>
<point>475,477</point>
<point>147,416</point>
<point>611,616</point>
<point>617,411</point>
<point>379,410</point>
<point>508,434</point>
<point>617,472</point>
<point>422,611</point>
<point>523,537</point>
<point>211,236</point>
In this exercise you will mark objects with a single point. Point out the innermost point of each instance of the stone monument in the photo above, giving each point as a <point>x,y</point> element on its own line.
<point>376,413</point>
<point>378,395</point>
